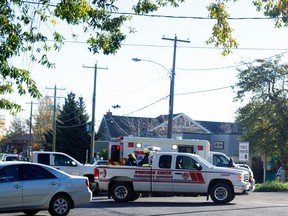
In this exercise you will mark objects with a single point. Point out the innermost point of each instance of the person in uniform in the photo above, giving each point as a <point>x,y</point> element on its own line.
<point>131,161</point>
<point>145,159</point>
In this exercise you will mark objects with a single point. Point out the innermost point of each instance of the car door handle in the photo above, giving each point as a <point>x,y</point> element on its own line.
<point>54,183</point>
<point>17,186</point>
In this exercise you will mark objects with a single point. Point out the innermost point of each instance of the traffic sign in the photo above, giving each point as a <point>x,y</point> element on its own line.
<point>243,151</point>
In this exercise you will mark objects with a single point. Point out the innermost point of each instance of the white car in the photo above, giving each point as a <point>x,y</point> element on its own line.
<point>247,167</point>
<point>31,187</point>
<point>9,157</point>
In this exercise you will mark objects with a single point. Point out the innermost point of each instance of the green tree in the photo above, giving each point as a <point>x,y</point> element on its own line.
<point>104,154</point>
<point>2,127</point>
<point>264,118</point>
<point>18,127</point>
<point>20,32</point>
<point>71,135</point>
<point>43,120</point>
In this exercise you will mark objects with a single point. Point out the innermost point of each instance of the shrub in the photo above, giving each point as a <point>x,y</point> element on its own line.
<point>271,186</point>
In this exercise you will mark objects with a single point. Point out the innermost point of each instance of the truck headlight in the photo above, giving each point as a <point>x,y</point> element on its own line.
<point>240,177</point>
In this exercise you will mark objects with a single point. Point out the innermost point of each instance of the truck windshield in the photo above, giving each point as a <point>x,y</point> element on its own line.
<point>204,162</point>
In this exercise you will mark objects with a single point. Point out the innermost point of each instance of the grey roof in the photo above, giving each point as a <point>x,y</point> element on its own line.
<point>125,125</point>
<point>221,127</point>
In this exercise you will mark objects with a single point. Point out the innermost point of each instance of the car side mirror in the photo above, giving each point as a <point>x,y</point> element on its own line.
<point>197,166</point>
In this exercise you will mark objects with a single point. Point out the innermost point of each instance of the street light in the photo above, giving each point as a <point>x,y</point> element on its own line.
<point>138,60</point>
<point>171,96</point>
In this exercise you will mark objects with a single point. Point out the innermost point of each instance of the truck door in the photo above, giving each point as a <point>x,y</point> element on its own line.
<point>66,164</point>
<point>162,177</point>
<point>186,178</point>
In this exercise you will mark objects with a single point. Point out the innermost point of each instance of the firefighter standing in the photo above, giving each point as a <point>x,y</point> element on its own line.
<point>131,161</point>
<point>145,159</point>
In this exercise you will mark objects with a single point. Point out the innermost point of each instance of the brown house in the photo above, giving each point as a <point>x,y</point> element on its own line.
<point>16,144</point>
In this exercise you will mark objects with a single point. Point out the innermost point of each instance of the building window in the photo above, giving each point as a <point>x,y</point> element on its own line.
<point>218,145</point>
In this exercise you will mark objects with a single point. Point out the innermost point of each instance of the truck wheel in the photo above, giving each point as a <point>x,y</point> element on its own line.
<point>134,196</point>
<point>221,193</point>
<point>59,205</point>
<point>121,192</point>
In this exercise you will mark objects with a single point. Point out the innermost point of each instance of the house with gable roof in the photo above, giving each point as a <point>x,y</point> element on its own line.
<point>223,136</point>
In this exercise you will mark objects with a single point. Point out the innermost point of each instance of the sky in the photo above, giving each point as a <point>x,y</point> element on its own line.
<point>202,75</point>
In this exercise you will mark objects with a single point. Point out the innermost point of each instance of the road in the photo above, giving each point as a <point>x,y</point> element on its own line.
<point>256,203</point>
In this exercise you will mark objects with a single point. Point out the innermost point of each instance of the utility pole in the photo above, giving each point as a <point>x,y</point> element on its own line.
<point>171,98</point>
<point>54,117</point>
<point>93,110</point>
<point>30,123</point>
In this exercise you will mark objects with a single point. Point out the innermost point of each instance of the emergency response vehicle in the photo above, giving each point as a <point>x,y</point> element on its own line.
<point>175,174</point>
<point>121,147</point>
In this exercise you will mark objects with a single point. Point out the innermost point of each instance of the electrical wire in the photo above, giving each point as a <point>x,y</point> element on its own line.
<point>190,17</point>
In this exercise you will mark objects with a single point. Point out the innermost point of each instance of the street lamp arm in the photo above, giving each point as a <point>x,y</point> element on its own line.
<point>138,60</point>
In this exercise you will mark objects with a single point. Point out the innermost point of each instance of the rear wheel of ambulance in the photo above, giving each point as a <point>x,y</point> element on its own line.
<point>121,192</point>
<point>221,193</point>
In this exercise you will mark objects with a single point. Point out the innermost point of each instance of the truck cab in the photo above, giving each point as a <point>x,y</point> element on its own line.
<point>220,159</point>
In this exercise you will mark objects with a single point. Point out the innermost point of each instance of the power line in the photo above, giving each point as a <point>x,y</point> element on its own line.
<point>71,126</point>
<point>179,94</point>
<point>230,66</point>
<point>163,98</point>
<point>164,16</point>
<point>187,47</point>
<point>207,90</point>
<point>190,17</point>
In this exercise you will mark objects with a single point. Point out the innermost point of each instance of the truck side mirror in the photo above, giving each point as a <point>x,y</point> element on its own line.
<point>197,166</point>
<point>231,162</point>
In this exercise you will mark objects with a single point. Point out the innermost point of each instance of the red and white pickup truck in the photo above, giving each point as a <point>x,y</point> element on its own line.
<point>172,173</point>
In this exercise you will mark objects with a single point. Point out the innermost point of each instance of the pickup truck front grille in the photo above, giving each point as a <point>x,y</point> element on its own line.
<point>246,177</point>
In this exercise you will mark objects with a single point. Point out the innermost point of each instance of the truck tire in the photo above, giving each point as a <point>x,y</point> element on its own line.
<point>134,196</point>
<point>221,193</point>
<point>121,192</point>
<point>59,205</point>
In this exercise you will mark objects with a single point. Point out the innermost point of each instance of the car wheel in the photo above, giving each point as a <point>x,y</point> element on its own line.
<point>31,212</point>
<point>221,193</point>
<point>60,205</point>
<point>121,192</point>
